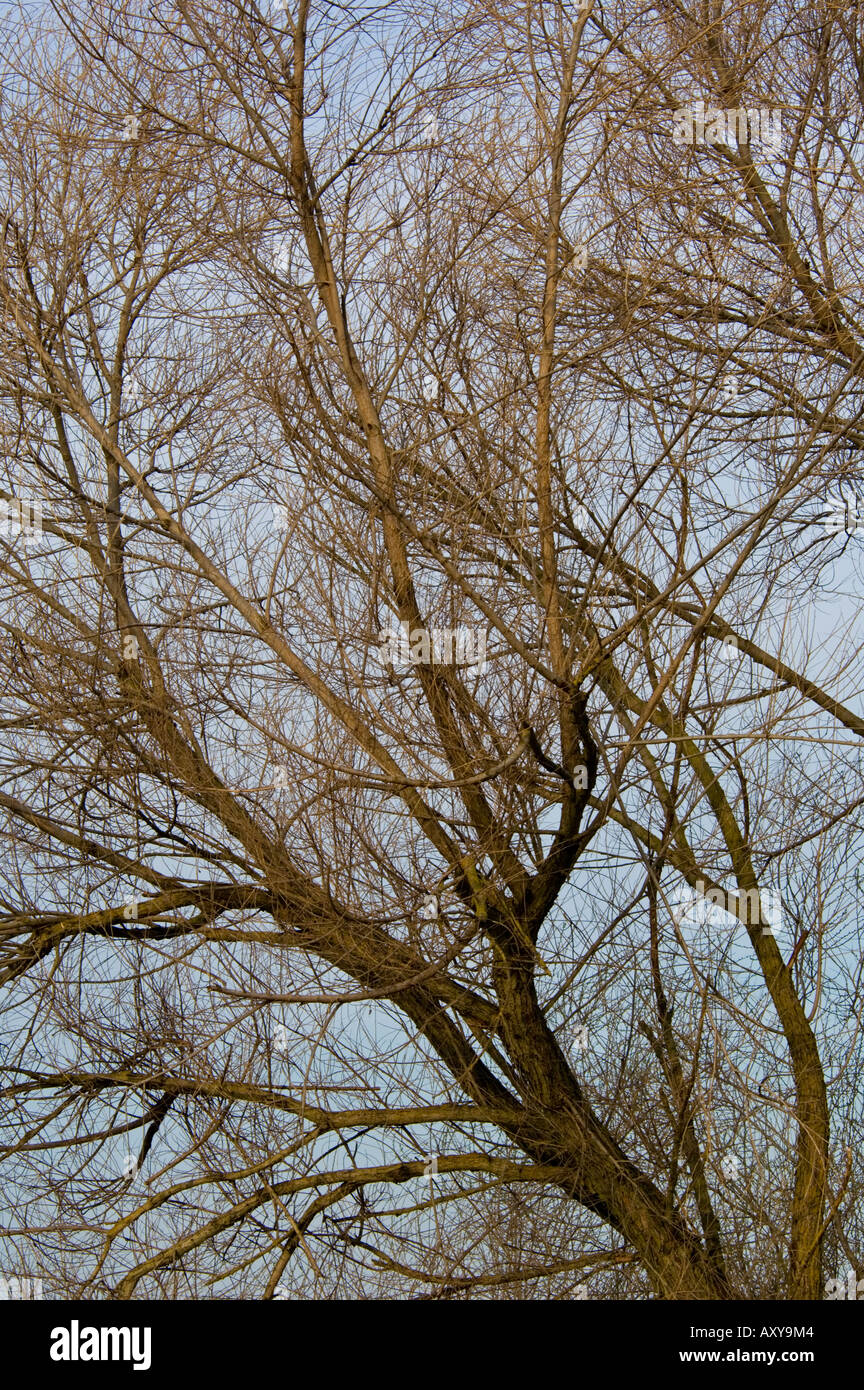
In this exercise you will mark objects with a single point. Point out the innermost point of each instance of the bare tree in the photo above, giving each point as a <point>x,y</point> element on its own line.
<point>432,661</point>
